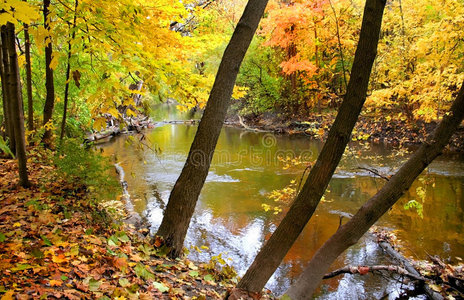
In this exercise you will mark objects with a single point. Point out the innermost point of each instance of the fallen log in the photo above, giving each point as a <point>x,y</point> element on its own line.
<point>240,120</point>
<point>109,132</point>
<point>409,267</point>
<point>362,270</point>
<point>133,217</point>
<point>193,121</point>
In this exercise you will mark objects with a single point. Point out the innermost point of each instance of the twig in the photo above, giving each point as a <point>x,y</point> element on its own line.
<point>375,172</point>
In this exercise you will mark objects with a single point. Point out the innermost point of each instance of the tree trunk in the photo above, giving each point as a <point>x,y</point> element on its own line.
<point>5,134</point>
<point>348,234</point>
<point>49,84</point>
<point>68,72</point>
<point>6,91</point>
<point>275,249</point>
<point>185,192</point>
<point>16,105</point>
<point>30,107</point>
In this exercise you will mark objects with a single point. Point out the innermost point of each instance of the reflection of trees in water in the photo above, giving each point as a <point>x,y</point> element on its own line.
<point>233,206</point>
<point>442,201</point>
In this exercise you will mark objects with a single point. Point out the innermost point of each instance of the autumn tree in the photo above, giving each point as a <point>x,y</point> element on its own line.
<point>303,207</point>
<point>30,104</point>
<point>8,118</point>
<point>186,190</point>
<point>304,36</point>
<point>421,67</point>
<point>349,233</point>
<point>49,81</point>
<point>11,13</point>
<point>68,70</point>
<point>14,100</point>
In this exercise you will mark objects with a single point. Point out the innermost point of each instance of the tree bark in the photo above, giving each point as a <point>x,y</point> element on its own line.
<point>348,234</point>
<point>68,72</point>
<point>49,84</point>
<point>30,106</point>
<point>186,190</point>
<point>16,105</point>
<point>275,249</point>
<point>6,92</point>
<point>4,96</point>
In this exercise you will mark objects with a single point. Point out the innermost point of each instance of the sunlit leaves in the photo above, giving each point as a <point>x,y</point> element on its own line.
<point>17,10</point>
<point>419,67</point>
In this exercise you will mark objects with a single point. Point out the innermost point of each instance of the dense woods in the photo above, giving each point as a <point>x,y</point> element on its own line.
<point>74,72</point>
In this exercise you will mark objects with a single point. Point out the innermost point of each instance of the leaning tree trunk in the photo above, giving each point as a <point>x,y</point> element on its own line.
<point>6,91</point>
<point>30,106</point>
<point>16,105</point>
<point>68,71</point>
<point>49,84</point>
<point>275,249</point>
<point>185,192</point>
<point>349,234</point>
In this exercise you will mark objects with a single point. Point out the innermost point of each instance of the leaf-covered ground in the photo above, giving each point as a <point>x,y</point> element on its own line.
<point>55,242</point>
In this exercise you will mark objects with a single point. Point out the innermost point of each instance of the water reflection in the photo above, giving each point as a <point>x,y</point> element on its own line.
<point>229,217</point>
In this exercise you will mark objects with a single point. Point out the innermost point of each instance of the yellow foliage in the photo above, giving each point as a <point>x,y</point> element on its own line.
<point>99,123</point>
<point>239,92</point>
<point>420,65</point>
<point>18,11</point>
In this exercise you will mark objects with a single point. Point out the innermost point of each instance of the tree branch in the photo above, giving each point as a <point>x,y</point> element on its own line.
<point>362,270</point>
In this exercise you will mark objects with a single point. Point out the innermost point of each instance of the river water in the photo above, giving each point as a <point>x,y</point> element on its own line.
<point>230,219</point>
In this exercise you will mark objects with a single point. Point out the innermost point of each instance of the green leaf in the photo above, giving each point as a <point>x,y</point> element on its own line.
<point>208,277</point>
<point>46,240</point>
<point>124,282</point>
<point>113,241</point>
<point>2,237</point>
<point>141,271</point>
<point>194,273</point>
<point>21,267</point>
<point>160,287</point>
<point>123,237</point>
<point>4,147</point>
<point>94,285</point>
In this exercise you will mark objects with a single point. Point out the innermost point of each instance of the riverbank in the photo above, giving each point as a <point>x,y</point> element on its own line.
<point>56,241</point>
<point>378,128</point>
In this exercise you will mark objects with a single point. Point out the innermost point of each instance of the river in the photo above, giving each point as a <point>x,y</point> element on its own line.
<point>229,217</point>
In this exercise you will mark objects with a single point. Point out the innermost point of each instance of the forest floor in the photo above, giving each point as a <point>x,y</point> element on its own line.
<point>378,128</point>
<point>57,242</point>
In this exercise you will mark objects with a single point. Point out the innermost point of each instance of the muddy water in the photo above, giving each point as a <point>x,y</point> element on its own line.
<point>229,217</point>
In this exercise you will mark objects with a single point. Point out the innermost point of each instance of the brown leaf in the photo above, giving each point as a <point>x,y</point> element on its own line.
<point>76,77</point>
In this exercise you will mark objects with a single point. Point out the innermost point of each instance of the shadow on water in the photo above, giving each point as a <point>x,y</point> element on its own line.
<point>229,217</point>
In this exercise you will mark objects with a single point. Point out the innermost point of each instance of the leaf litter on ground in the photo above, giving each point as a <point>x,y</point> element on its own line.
<point>56,242</point>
